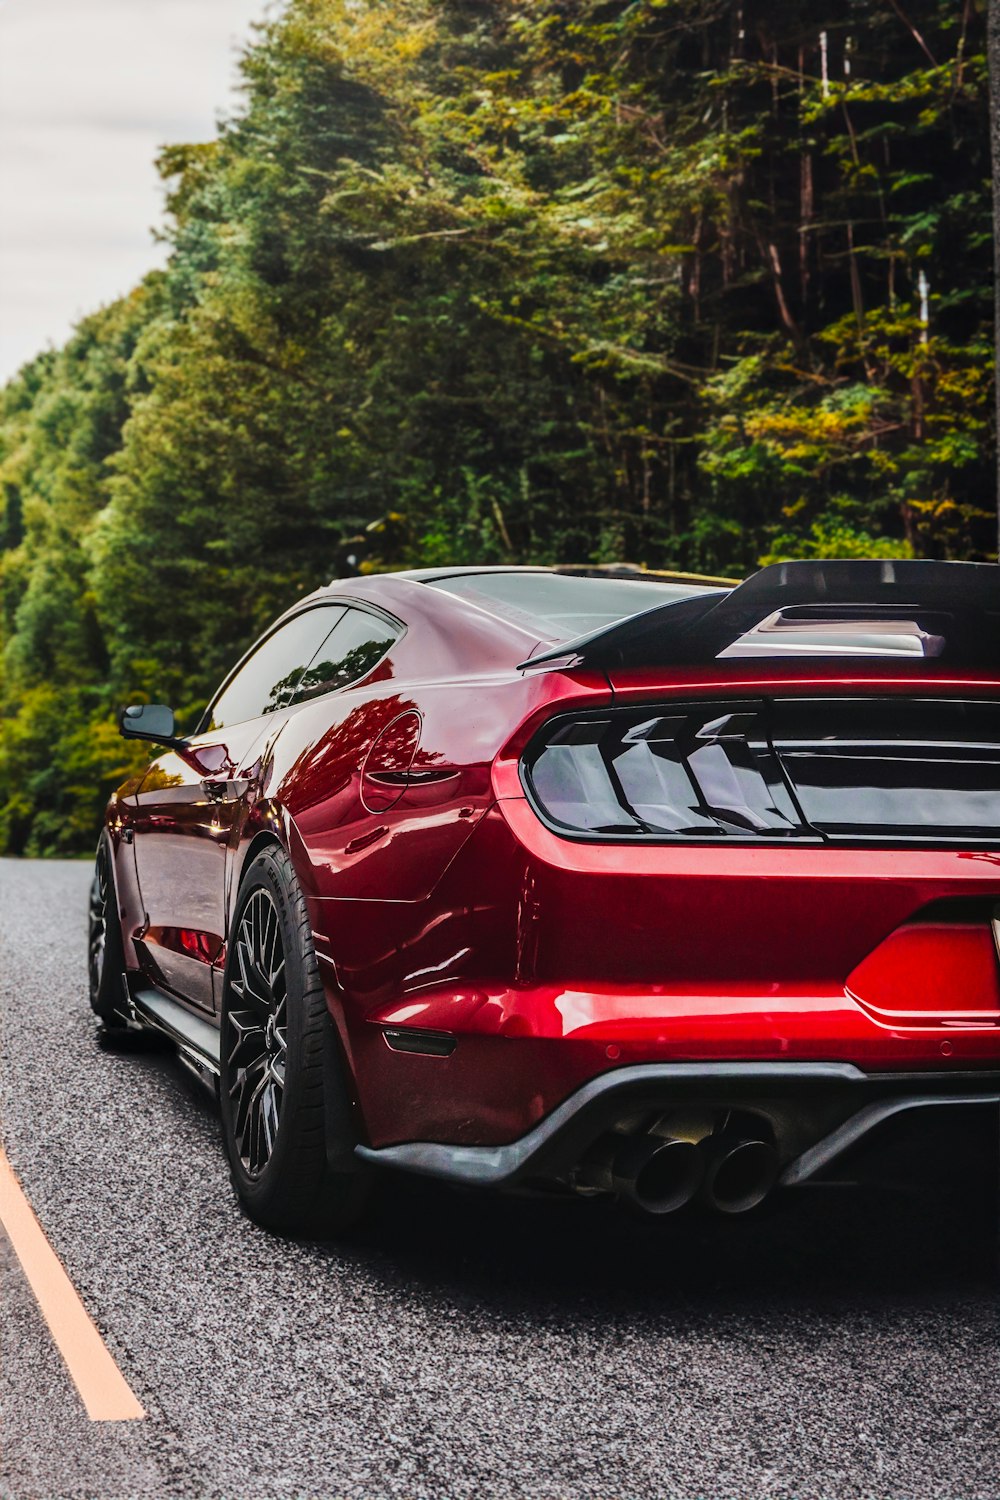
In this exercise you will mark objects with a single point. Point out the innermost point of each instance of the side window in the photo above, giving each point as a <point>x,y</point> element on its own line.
<point>277,668</point>
<point>349,653</point>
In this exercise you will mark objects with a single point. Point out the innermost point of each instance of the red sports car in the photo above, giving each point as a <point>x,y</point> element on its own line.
<point>524,878</point>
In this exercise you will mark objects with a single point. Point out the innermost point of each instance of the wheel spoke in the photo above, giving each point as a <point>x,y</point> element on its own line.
<point>252,984</point>
<point>267,938</point>
<point>270,1099</point>
<point>253,1131</point>
<point>247,1038</point>
<point>245,1082</point>
<point>263,922</point>
<point>247,1121</point>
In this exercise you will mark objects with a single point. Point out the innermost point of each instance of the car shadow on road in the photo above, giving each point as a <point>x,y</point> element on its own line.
<point>914,1216</point>
<point>923,1224</point>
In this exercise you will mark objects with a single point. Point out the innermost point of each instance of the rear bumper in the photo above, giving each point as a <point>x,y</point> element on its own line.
<point>515,1056</point>
<point>550,966</point>
<point>815,1112</point>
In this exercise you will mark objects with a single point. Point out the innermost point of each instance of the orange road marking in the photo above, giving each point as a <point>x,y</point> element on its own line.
<point>103,1388</point>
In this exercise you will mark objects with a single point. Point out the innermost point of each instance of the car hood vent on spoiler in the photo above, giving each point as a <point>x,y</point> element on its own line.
<point>913,610</point>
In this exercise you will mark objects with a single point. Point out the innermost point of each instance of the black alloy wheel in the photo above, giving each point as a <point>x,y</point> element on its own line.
<point>105,954</point>
<point>257,1031</point>
<point>97,931</point>
<point>286,1114</point>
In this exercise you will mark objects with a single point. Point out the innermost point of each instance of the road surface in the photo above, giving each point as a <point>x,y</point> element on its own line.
<point>459,1347</point>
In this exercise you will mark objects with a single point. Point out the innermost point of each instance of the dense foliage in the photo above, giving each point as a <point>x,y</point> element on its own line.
<point>524,280</point>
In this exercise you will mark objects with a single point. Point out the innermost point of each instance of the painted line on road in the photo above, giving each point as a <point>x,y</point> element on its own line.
<point>105,1392</point>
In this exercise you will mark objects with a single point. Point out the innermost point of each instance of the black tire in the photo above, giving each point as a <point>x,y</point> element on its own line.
<point>105,953</point>
<point>286,1114</point>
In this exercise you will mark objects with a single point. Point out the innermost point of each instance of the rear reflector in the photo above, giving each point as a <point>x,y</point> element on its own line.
<point>425,1043</point>
<point>928,969</point>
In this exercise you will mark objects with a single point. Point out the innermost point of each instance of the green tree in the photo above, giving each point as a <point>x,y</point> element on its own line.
<point>685,282</point>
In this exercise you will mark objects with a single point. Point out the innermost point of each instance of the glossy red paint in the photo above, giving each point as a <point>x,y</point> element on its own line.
<point>941,973</point>
<point>440,901</point>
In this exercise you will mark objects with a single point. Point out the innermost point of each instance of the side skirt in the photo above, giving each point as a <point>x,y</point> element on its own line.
<point>197,1040</point>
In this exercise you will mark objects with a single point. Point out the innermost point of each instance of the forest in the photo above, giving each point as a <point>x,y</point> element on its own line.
<point>686,283</point>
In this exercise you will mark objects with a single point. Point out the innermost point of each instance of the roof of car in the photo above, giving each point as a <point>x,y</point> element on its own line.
<point>558,604</point>
<point>627,571</point>
<point>821,608</point>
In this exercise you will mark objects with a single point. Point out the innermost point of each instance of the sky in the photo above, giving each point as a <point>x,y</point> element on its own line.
<point>89,91</point>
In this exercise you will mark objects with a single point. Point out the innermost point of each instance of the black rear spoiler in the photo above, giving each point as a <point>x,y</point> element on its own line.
<point>955,605</point>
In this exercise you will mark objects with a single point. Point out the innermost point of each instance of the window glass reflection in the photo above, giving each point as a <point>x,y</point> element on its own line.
<point>351,650</point>
<point>273,673</point>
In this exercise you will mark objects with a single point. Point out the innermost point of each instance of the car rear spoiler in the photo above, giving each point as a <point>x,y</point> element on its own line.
<point>948,610</point>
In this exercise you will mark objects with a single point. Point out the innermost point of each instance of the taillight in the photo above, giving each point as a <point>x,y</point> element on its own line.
<point>687,771</point>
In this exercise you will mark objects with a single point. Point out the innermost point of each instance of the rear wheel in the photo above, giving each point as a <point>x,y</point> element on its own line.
<point>105,953</point>
<point>286,1113</point>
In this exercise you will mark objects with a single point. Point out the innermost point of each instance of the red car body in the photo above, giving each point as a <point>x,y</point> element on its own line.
<point>509,991</point>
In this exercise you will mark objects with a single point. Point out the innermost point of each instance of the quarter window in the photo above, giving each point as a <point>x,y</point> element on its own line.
<point>355,645</point>
<point>313,653</point>
<point>274,672</point>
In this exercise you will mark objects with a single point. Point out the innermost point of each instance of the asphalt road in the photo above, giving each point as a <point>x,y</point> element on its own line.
<point>460,1347</point>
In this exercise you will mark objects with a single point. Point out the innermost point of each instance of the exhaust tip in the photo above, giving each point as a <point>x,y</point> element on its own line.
<point>739,1174</point>
<point>657,1175</point>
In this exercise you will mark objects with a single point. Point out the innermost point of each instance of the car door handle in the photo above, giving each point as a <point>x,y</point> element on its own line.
<point>216,791</point>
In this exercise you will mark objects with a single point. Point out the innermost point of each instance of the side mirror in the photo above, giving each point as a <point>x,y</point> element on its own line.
<point>148,721</point>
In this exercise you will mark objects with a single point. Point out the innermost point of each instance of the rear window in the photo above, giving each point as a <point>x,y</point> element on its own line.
<point>561,606</point>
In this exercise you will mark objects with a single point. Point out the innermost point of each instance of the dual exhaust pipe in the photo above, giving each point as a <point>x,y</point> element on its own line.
<point>730,1173</point>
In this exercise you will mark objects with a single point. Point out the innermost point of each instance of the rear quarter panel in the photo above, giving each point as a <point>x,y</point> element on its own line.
<point>386,918</point>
